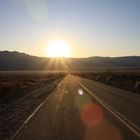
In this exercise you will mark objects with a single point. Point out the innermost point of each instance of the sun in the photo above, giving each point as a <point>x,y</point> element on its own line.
<point>58,49</point>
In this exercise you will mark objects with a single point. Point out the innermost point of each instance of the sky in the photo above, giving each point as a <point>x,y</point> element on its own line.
<point>89,27</point>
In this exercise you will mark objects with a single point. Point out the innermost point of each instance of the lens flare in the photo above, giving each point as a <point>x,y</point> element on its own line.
<point>80,92</point>
<point>91,114</point>
<point>37,9</point>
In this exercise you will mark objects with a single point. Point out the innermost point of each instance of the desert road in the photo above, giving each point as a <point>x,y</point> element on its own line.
<point>81,109</point>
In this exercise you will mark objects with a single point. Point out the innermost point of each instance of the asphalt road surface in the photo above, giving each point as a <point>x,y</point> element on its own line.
<point>81,109</point>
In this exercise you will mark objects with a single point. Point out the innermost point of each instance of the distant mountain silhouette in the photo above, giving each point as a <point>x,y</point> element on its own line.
<point>21,61</point>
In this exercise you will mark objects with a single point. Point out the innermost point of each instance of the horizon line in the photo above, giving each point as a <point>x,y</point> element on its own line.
<point>12,51</point>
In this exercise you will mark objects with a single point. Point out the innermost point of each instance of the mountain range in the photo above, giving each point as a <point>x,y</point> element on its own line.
<point>17,61</point>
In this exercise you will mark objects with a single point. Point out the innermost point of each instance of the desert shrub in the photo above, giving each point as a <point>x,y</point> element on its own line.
<point>14,86</point>
<point>124,80</point>
<point>109,79</point>
<point>9,90</point>
<point>137,86</point>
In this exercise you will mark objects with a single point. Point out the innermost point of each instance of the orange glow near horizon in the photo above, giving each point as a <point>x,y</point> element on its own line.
<point>58,64</point>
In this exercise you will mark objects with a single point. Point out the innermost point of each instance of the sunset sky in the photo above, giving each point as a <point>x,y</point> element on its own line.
<point>88,27</point>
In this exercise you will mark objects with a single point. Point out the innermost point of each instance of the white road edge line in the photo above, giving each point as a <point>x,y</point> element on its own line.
<point>33,114</point>
<point>135,129</point>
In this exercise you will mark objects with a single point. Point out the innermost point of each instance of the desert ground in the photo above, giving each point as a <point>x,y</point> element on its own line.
<point>20,94</point>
